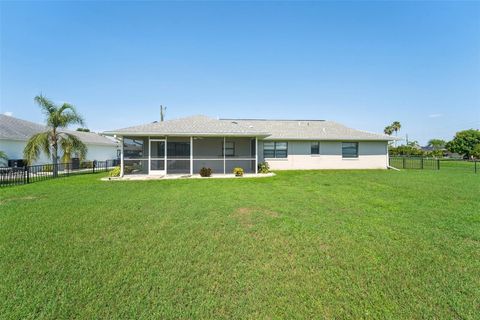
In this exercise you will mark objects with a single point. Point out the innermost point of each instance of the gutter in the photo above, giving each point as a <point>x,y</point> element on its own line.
<point>170,134</point>
<point>393,168</point>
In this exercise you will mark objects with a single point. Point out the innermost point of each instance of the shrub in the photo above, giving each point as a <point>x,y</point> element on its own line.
<point>263,167</point>
<point>128,169</point>
<point>238,172</point>
<point>205,172</point>
<point>405,150</point>
<point>115,172</point>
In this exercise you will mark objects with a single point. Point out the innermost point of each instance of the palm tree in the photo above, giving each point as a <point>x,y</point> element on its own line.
<point>396,126</point>
<point>3,156</point>
<point>57,117</point>
<point>388,130</point>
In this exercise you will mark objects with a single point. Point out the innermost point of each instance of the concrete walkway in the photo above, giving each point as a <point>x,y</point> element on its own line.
<point>141,177</point>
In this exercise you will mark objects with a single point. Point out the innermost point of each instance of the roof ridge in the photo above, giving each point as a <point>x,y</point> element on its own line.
<point>258,119</point>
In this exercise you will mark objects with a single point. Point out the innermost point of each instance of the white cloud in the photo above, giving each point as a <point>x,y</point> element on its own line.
<point>8,113</point>
<point>435,115</point>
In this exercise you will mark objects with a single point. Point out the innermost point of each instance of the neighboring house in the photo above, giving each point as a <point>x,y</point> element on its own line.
<point>186,145</point>
<point>14,134</point>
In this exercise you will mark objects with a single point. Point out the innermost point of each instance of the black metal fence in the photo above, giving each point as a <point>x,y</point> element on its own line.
<point>414,163</point>
<point>22,175</point>
<point>435,164</point>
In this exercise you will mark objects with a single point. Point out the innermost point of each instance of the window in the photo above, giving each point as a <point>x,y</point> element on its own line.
<point>229,149</point>
<point>349,149</point>
<point>275,149</point>
<point>315,148</point>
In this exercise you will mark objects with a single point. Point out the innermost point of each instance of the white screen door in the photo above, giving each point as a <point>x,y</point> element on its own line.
<point>157,158</point>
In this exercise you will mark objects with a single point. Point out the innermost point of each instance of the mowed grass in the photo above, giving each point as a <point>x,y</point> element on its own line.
<point>459,165</point>
<point>311,244</point>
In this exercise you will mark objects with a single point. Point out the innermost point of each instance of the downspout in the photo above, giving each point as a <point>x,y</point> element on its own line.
<point>388,161</point>
<point>256,155</point>
<point>388,155</point>
<point>165,153</point>
<point>191,155</point>
<point>224,167</point>
<point>393,168</point>
<point>122,163</point>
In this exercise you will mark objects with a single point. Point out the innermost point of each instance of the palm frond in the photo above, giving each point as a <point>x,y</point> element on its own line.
<point>3,157</point>
<point>35,145</point>
<point>70,144</point>
<point>47,106</point>
<point>67,115</point>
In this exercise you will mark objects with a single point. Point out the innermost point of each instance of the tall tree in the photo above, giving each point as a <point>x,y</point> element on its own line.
<point>476,151</point>
<point>464,142</point>
<point>396,126</point>
<point>437,144</point>
<point>57,117</point>
<point>388,130</point>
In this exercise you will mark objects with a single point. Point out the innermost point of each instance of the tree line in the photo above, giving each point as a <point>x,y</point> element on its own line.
<point>465,143</point>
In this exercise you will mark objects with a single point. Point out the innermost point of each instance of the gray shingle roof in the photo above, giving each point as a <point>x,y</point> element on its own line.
<point>310,130</point>
<point>194,125</point>
<point>270,129</point>
<point>17,129</point>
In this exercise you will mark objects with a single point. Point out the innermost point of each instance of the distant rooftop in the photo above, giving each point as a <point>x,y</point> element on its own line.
<point>12,128</point>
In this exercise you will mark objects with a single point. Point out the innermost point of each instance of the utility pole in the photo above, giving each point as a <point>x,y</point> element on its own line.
<point>163,110</point>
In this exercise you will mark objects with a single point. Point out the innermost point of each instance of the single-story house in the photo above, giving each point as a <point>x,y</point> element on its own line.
<point>184,146</point>
<point>14,134</point>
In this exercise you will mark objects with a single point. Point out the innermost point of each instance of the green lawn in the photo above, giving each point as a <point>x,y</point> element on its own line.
<point>332,244</point>
<point>459,165</point>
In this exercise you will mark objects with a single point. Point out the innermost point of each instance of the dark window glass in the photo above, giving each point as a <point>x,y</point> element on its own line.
<point>275,149</point>
<point>229,149</point>
<point>315,148</point>
<point>252,148</point>
<point>350,149</point>
<point>178,149</point>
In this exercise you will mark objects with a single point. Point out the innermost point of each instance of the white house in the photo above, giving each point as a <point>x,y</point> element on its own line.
<point>186,145</point>
<point>14,134</point>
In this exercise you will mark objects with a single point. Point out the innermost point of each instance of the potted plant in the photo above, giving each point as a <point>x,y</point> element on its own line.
<point>238,172</point>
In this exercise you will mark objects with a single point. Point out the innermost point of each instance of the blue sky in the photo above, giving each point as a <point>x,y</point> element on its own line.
<point>364,64</point>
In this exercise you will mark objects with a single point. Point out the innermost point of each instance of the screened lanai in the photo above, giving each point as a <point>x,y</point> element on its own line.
<point>185,145</point>
<point>161,155</point>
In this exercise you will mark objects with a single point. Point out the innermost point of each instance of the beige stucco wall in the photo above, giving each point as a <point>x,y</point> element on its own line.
<point>372,155</point>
